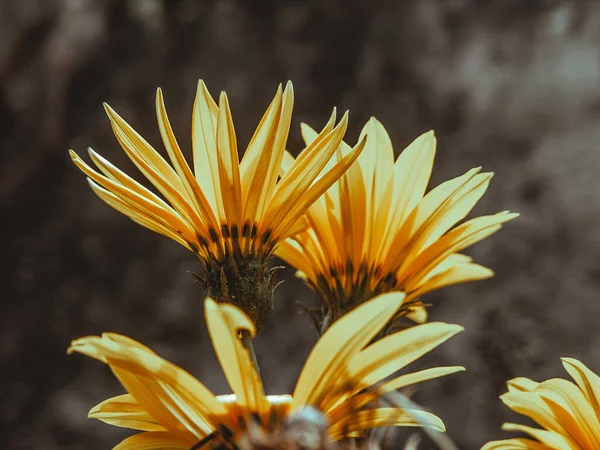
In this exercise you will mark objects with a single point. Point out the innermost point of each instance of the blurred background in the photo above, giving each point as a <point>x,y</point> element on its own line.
<point>512,85</point>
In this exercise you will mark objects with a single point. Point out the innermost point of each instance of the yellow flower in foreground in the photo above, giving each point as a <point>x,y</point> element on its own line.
<point>376,230</point>
<point>231,214</point>
<point>177,411</point>
<point>568,412</point>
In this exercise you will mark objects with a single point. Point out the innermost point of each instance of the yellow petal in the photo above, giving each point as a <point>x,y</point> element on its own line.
<point>292,188</point>
<point>530,404</point>
<point>330,355</point>
<point>588,381</point>
<point>353,197</point>
<point>124,411</point>
<point>166,215</point>
<point>424,215</point>
<point>522,384</point>
<point>397,350</point>
<point>515,444</point>
<point>155,169</point>
<point>291,252</point>
<point>171,395</point>
<point>142,217</point>
<point>549,438</point>
<point>229,166</point>
<point>139,150</point>
<point>454,241</point>
<point>317,189</point>
<point>382,417</point>
<point>454,275</point>
<point>118,176</point>
<point>204,144</point>
<point>224,321</point>
<point>572,409</point>
<point>154,440</point>
<point>417,314</point>
<point>411,176</point>
<point>262,161</point>
<point>310,136</point>
<point>186,176</point>
<point>286,163</point>
<point>348,405</point>
<point>377,165</point>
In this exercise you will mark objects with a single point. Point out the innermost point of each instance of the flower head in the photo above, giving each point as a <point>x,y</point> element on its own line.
<point>231,214</point>
<point>568,412</point>
<point>377,231</point>
<point>175,410</point>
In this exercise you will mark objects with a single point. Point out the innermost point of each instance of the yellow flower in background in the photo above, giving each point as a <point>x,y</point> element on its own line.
<point>231,214</point>
<point>568,412</point>
<point>376,230</point>
<point>341,379</point>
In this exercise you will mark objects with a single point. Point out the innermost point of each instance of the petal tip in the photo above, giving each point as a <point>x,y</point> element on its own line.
<point>210,304</point>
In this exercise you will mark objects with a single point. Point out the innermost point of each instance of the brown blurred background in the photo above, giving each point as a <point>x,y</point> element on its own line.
<point>513,85</point>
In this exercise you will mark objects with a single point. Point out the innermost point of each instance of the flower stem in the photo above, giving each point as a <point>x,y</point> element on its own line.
<point>247,342</point>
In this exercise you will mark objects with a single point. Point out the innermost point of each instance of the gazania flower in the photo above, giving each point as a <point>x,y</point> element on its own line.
<point>340,382</point>
<point>231,214</point>
<point>377,231</point>
<point>568,412</point>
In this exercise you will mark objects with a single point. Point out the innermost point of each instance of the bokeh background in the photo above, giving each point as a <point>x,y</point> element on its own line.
<point>513,85</point>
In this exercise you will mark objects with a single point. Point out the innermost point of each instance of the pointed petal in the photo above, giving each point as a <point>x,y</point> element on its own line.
<point>454,241</point>
<point>382,417</point>
<point>522,384</point>
<point>165,215</point>
<point>353,202</point>
<point>305,199</point>
<point>549,438</point>
<point>263,159</point>
<point>186,176</point>
<point>460,273</point>
<point>293,186</point>
<point>430,207</point>
<point>155,440</point>
<point>286,163</point>
<point>347,405</point>
<point>418,377</point>
<point>329,357</point>
<point>118,176</point>
<point>155,169</point>
<point>515,444</point>
<point>588,381</point>
<point>172,396</point>
<point>204,144</point>
<point>571,407</point>
<point>530,404</point>
<point>412,171</point>
<point>124,411</point>
<point>135,145</point>
<point>417,313</point>
<point>311,137</point>
<point>140,216</point>
<point>377,165</point>
<point>290,252</point>
<point>397,350</point>
<point>229,166</point>
<point>224,321</point>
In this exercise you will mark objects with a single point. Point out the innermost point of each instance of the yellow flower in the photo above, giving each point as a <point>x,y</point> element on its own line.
<point>376,231</point>
<point>231,214</point>
<point>175,410</point>
<point>569,413</point>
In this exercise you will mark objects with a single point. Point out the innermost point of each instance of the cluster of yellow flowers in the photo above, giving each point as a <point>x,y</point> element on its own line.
<point>363,233</point>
